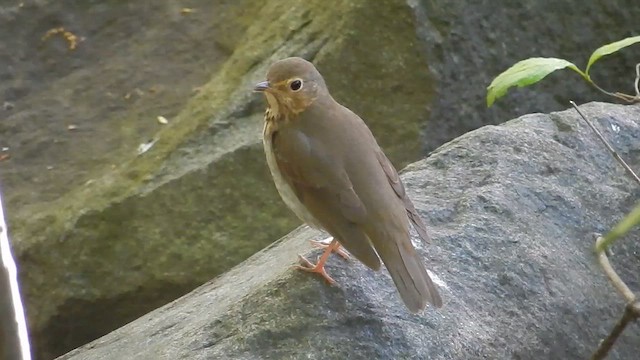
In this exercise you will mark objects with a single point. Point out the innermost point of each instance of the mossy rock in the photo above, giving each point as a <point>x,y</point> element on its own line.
<point>139,230</point>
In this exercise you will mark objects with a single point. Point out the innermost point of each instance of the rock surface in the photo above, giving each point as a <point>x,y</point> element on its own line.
<point>116,230</point>
<point>469,43</point>
<point>97,227</point>
<point>512,211</point>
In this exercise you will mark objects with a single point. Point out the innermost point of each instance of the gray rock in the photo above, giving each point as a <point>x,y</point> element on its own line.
<point>512,210</point>
<point>469,43</point>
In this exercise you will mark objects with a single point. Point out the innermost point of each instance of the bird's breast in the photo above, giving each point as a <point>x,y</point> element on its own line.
<point>284,189</point>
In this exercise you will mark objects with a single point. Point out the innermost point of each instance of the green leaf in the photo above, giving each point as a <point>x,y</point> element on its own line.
<point>610,49</point>
<point>525,72</point>
<point>622,228</point>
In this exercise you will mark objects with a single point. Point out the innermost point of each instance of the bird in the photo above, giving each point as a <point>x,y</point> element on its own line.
<point>330,171</point>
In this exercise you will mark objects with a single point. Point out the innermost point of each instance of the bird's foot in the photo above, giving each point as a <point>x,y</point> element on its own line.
<point>325,243</point>
<point>306,265</point>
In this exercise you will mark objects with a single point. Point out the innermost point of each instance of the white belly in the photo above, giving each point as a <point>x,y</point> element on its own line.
<point>286,192</point>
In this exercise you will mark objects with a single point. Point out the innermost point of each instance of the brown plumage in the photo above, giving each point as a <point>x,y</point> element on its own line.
<point>329,169</point>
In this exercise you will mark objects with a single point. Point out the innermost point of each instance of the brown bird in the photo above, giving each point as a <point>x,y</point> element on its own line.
<point>331,172</point>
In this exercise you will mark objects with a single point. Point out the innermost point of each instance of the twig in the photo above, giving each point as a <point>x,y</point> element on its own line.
<point>631,99</point>
<point>631,310</point>
<point>626,97</point>
<point>631,313</point>
<point>622,96</point>
<point>606,144</point>
<point>14,344</point>
<point>622,288</point>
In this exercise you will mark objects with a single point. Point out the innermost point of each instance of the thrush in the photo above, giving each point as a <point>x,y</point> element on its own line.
<point>331,172</point>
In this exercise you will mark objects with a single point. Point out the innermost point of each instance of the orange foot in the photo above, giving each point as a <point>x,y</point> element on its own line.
<point>324,244</point>
<point>307,265</point>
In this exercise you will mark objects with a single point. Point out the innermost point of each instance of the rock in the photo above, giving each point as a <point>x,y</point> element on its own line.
<point>135,232</point>
<point>512,211</point>
<point>98,227</point>
<point>468,45</point>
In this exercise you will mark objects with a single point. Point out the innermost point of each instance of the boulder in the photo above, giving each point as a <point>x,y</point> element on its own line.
<point>512,211</point>
<point>113,229</point>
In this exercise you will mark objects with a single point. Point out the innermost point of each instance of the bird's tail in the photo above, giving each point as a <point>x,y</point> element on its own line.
<point>408,273</point>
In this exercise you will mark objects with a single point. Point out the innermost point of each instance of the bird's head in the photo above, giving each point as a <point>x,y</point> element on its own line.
<point>292,85</point>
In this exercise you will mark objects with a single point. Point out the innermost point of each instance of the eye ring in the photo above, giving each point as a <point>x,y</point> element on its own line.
<point>295,85</point>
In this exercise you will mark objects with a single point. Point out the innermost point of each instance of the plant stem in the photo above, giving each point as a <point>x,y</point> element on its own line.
<point>606,144</point>
<point>622,96</point>
<point>617,282</point>
<point>631,312</point>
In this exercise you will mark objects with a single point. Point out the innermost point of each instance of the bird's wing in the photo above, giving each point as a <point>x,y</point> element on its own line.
<point>323,187</point>
<point>398,187</point>
<point>390,235</point>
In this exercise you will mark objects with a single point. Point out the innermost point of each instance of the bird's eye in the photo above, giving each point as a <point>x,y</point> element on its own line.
<point>296,85</point>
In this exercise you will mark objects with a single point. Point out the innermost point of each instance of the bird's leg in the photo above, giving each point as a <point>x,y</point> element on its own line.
<point>306,265</point>
<point>325,243</point>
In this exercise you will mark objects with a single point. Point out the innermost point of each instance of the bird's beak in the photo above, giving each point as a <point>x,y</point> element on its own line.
<point>261,86</point>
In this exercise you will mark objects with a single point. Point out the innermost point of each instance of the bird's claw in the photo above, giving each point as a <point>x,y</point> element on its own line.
<point>306,265</point>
